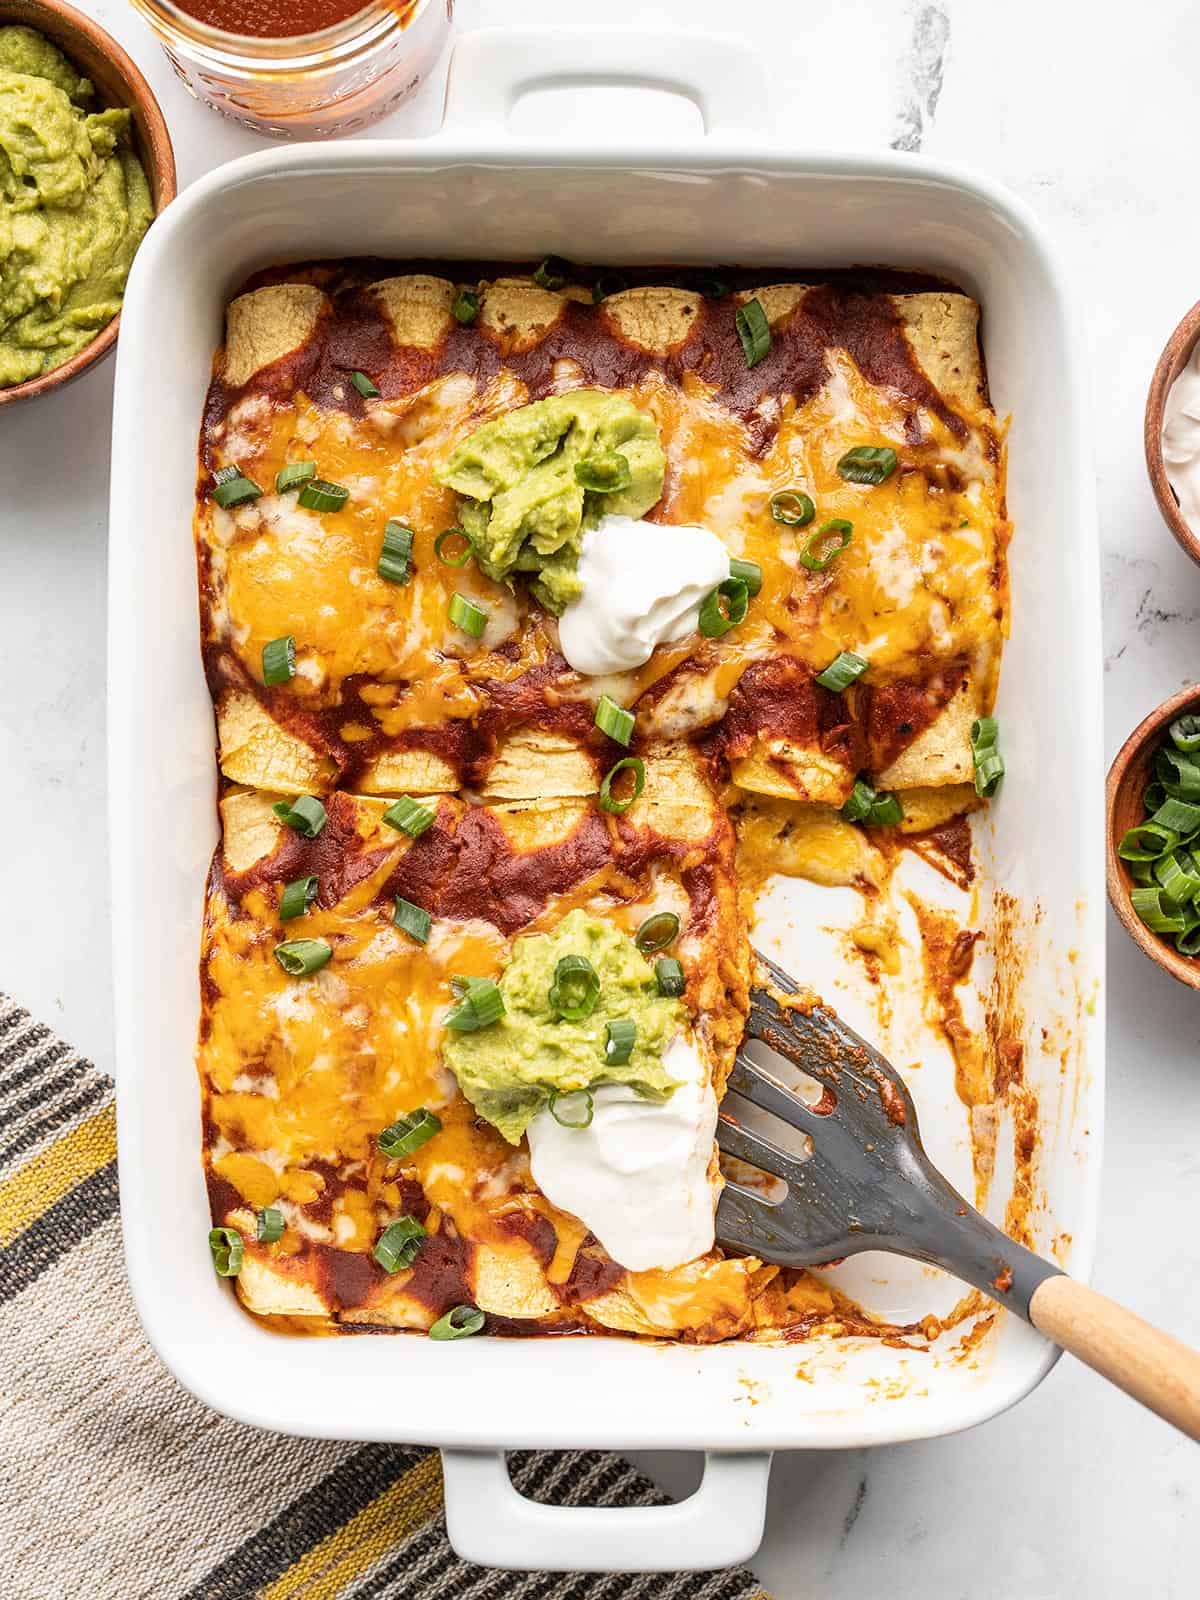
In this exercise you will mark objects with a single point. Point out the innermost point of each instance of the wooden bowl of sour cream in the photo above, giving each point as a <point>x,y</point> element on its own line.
<point>118,82</point>
<point>1177,456</point>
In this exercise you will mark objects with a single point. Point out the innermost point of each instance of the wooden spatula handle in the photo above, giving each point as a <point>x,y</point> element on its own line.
<point>1150,1365</point>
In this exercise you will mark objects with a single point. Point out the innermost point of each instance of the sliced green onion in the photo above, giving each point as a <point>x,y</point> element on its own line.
<point>480,1003</point>
<point>753,330</point>
<point>989,763</point>
<point>862,797</point>
<point>845,668</point>
<point>465,614</point>
<point>299,958</point>
<point>1177,815</point>
<point>318,494</point>
<point>279,661</point>
<point>724,607</point>
<point>749,573</point>
<point>297,897</point>
<point>575,990</point>
<point>412,920</point>
<point>228,1247</point>
<point>552,273</point>
<point>399,1243</point>
<point>872,809</point>
<point>409,816</point>
<point>867,463</point>
<point>614,720</point>
<point>1146,841</point>
<point>232,488</point>
<point>607,283</point>
<point>619,1036</point>
<point>886,812</point>
<point>364,385</point>
<point>1160,914</point>
<point>1142,871</point>
<point>657,932</point>
<point>395,555</point>
<point>305,814</point>
<point>668,973</point>
<point>792,507</point>
<point>607,472</point>
<point>1185,733</point>
<point>1188,944</point>
<point>1179,875</point>
<point>466,306</point>
<point>566,1101</point>
<point>824,544</point>
<point>460,1322</point>
<point>407,1133</point>
<point>613,804</point>
<point>463,556</point>
<point>1179,775</point>
<point>270,1225</point>
<point>295,472</point>
<point>1154,797</point>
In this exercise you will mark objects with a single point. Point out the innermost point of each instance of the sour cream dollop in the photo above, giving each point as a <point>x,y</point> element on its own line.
<point>638,1176</point>
<point>1181,440</point>
<point>643,584</point>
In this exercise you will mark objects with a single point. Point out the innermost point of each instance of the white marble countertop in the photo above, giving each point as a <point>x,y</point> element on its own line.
<point>1088,115</point>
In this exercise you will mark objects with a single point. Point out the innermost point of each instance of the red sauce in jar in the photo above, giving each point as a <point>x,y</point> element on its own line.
<point>271,19</point>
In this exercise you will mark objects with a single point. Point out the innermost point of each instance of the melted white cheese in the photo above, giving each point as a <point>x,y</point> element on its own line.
<point>1181,440</point>
<point>643,584</point>
<point>638,1175</point>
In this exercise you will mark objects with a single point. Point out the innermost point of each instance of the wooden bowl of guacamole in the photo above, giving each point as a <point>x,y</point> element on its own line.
<point>85,165</point>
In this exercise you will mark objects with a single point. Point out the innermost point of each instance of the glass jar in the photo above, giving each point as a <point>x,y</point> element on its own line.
<point>308,85</point>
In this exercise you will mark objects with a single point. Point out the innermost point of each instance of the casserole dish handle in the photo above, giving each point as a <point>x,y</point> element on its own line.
<point>489,1522</point>
<point>491,69</point>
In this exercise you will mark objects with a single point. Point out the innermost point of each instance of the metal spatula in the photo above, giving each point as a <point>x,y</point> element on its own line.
<point>858,1179</point>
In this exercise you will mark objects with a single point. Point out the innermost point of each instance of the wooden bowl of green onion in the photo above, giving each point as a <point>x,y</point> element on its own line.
<point>1153,799</point>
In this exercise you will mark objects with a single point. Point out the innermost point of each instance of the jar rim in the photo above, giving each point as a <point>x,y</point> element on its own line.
<point>364,25</point>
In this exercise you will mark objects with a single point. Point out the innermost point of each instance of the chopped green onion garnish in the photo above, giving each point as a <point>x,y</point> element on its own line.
<point>749,573</point>
<point>873,810</point>
<point>867,463</point>
<point>792,507</point>
<point>886,812</point>
<point>1146,841</point>
<point>465,614</point>
<point>480,1003</point>
<point>228,1248</point>
<point>845,669</point>
<point>1185,733</point>
<point>398,1244</point>
<point>279,661</point>
<point>1160,914</point>
<point>753,330</point>
<point>614,720</point>
<point>619,1035</point>
<point>1178,874</point>
<point>412,920</point>
<point>607,283</point>
<point>466,306</point>
<point>575,990</point>
<point>1177,815</point>
<point>409,816</point>
<point>657,932</point>
<point>305,814</point>
<point>270,1225</point>
<point>1179,774</point>
<point>455,559</point>
<point>724,607</point>
<point>1188,944</point>
<point>825,544</point>
<point>301,957</point>
<point>294,473</point>
<point>232,488</point>
<point>364,385</point>
<point>297,897</point>
<point>572,1108</point>
<point>668,973</point>
<point>460,1322</point>
<point>395,556</point>
<point>408,1133</point>
<point>607,800</point>
<point>552,273</point>
<point>607,472</point>
<point>1142,871</point>
<point>989,763</point>
<point>318,494</point>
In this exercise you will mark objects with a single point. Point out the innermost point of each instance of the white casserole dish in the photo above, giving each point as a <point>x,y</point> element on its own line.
<point>477,191</point>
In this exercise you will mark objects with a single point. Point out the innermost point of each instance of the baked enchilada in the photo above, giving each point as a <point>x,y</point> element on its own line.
<point>524,599</point>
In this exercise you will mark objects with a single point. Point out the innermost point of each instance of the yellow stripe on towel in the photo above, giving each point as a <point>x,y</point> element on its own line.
<point>56,1171</point>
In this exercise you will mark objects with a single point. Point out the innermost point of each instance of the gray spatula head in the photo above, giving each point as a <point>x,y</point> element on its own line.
<point>850,1171</point>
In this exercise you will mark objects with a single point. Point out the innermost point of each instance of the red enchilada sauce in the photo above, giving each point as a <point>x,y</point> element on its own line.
<point>277,19</point>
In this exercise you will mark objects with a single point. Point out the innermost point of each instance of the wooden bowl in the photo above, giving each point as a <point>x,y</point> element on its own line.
<point>118,83</point>
<point>1175,357</point>
<point>1127,780</point>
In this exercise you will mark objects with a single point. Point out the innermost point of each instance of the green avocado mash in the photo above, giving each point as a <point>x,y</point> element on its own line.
<point>525,510</point>
<point>509,1069</point>
<point>74,204</point>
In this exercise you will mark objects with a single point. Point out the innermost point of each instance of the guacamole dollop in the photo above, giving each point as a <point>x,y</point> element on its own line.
<point>523,507</point>
<point>509,1069</point>
<point>74,204</point>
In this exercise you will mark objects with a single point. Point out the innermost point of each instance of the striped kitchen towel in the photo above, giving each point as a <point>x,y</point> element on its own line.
<point>115,1484</point>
